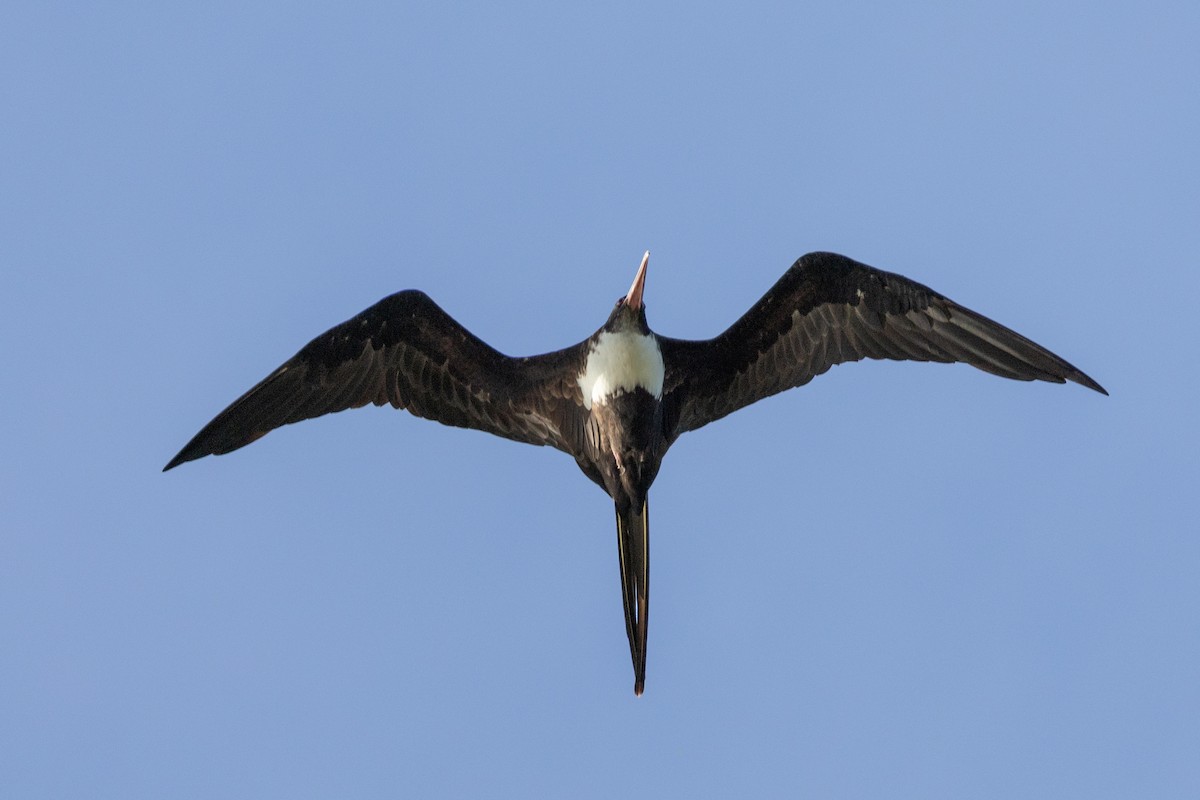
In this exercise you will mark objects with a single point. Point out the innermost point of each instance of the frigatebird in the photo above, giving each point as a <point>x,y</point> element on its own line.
<point>619,399</point>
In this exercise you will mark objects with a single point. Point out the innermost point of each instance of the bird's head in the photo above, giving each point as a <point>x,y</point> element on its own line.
<point>629,314</point>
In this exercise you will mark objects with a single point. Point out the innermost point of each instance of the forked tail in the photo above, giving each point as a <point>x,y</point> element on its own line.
<point>633,546</point>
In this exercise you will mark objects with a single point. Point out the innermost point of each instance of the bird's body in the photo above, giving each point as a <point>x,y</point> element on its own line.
<point>618,400</point>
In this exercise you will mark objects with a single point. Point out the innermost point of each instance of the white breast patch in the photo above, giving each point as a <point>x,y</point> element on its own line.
<point>620,362</point>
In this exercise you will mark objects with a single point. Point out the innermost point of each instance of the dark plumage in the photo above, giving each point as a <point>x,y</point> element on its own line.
<point>618,400</point>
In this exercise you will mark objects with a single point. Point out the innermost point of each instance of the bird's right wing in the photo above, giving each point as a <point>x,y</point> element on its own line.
<point>406,351</point>
<point>826,310</point>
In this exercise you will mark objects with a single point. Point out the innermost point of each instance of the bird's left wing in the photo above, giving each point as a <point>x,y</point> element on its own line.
<point>406,351</point>
<point>828,309</point>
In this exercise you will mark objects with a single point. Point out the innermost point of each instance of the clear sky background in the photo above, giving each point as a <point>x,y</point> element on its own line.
<point>902,580</point>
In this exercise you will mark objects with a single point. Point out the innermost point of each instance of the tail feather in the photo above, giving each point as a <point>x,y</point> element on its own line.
<point>633,544</point>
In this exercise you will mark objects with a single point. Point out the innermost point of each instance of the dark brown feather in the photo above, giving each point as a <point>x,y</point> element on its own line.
<point>826,310</point>
<point>406,351</point>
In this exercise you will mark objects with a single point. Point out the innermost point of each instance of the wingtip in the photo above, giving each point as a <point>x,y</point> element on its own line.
<point>1087,382</point>
<point>182,457</point>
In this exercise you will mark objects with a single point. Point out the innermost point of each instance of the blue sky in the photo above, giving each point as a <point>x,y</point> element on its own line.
<point>902,580</point>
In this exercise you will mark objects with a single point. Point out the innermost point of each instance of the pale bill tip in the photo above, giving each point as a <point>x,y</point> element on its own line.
<point>634,296</point>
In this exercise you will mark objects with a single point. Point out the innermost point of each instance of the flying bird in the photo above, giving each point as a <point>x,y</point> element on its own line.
<point>618,400</point>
